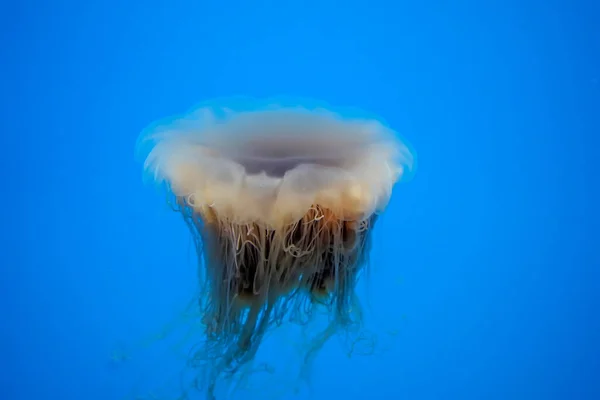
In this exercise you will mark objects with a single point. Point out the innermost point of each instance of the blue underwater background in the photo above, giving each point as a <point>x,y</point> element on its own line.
<point>485,266</point>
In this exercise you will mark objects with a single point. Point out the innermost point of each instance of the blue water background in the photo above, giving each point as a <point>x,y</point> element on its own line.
<point>486,263</point>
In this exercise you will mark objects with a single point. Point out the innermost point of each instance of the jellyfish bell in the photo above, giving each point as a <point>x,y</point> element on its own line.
<point>282,203</point>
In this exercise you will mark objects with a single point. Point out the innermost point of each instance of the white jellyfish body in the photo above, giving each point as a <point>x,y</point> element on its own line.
<point>282,202</point>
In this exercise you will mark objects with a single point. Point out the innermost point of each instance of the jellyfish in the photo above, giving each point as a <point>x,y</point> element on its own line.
<point>281,202</point>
